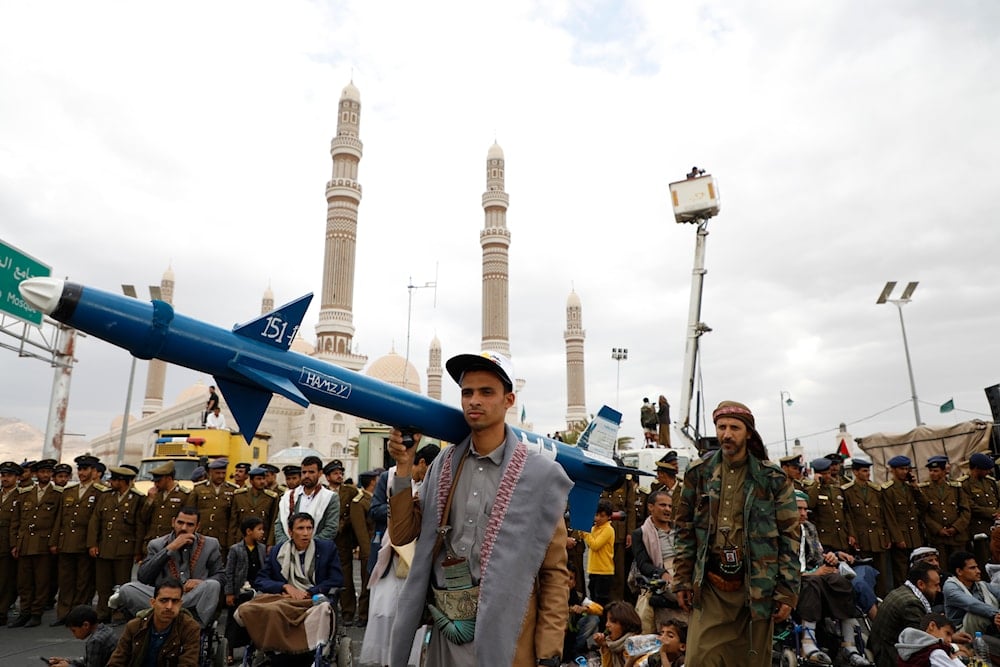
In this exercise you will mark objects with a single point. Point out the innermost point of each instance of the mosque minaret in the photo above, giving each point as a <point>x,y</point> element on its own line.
<point>495,240</point>
<point>576,392</point>
<point>267,303</point>
<point>434,371</point>
<point>156,375</point>
<point>335,330</point>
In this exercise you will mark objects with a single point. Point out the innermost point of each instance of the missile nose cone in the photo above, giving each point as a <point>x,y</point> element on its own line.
<point>42,293</point>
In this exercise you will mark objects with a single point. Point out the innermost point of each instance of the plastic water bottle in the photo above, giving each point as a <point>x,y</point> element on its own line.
<point>642,644</point>
<point>319,599</point>
<point>981,650</point>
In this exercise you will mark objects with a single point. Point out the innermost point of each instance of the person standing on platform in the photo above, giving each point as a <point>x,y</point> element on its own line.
<point>40,509</point>
<point>944,508</point>
<point>647,418</point>
<point>216,419</point>
<point>981,489</point>
<point>211,404</point>
<point>76,567</point>
<point>115,536</point>
<point>737,563</point>
<point>905,527</point>
<point>663,422</point>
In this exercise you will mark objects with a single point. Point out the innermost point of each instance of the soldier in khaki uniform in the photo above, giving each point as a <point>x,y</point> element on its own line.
<point>362,526</point>
<point>38,517</point>
<point>115,536</point>
<point>271,479</point>
<point>253,500</point>
<point>26,475</point>
<point>9,474</point>
<point>870,519</point>
<point>666,474</point>
<point>164,500</point>
<point>214,500</point>
<point>792,465</point>
<point>981,489</point>
<point>334,471</point>
<point>829,515</point>
<point>622,500</point>
<point>899,495</point>
<point>76,567</point>
<point>241,475</point>
<point>945,510</point>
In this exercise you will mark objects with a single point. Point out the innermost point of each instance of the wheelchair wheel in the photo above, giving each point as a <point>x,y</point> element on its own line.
<point>221,648</point>
<point>788,658</point>
<point>345,656</point>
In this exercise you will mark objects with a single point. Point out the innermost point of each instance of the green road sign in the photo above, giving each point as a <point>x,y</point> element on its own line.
<point>16,266</point>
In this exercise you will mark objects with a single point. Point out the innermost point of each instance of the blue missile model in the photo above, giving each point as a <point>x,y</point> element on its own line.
<point>253,361</point>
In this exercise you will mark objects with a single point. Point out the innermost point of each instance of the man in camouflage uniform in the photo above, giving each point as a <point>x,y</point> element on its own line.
<point>737,547</point>
<point>828,513</point>
<point>76,567</point>
<point>981,489</point>
<point>115,536</point>
<point>166,497</point>
<point>945,510</point>
<point>214,499</point>
<point>899,496</point>
<point>10,472</point>
<point>345,541</point>
<point>38,518</point>
<point>869,517</point>
<point>253,500</point>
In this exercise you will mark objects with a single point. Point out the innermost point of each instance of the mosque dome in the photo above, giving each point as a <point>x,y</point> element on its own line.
<point>198,390</point>
<point>495,152</point>
<point>116,423</point>
<point>351,92</point>
<point>390,369</point>
<point>302,346</point>
<point>572,301</point>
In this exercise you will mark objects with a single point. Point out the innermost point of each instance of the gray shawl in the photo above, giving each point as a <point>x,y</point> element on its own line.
<point>530,500</point>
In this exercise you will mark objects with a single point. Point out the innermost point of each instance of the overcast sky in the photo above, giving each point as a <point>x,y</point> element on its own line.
<point>853,143</point>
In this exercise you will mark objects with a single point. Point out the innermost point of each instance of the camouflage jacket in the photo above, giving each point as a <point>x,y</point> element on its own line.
<point>770,529</point>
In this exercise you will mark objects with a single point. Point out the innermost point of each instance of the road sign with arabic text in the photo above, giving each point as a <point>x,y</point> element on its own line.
<point>16,266</point>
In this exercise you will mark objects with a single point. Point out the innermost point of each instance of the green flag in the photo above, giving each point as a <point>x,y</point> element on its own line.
<point>948,405</point>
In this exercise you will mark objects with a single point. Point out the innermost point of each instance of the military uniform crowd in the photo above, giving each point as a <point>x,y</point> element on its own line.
<point>62,543</point>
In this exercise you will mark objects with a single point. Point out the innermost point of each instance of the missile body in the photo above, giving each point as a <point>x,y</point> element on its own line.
<point>252,362</point>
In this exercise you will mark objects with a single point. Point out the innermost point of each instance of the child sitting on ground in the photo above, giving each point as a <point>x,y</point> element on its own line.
<point>100,639</point>
<point>673,643</point>
<point>929,646</point>
<point>622,621</point>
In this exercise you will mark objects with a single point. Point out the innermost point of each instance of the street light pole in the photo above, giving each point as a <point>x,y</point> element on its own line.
<point>783,398</point>
<point>904,299</point>
<point>619,354</point>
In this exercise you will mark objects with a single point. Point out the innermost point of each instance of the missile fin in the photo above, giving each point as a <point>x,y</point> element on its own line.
<point>601,433</point>
<point>273,383</point>
<point>583,499</point>
<point>247,404</point>
<point>279,327</point>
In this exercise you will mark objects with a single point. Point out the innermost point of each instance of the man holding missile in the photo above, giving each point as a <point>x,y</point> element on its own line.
<point>494,547</point>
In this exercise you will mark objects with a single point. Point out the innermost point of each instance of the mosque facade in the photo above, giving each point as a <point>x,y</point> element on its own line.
<point>332,433</point>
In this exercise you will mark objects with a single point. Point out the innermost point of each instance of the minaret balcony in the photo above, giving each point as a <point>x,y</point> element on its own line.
<point>495,198</point>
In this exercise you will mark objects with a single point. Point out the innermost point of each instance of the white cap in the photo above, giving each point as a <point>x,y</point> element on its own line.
<point>485,361</point>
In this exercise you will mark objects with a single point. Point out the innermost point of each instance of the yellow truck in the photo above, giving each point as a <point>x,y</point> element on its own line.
<point>189,448</point>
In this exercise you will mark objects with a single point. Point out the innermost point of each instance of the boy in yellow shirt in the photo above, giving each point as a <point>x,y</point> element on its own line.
<point>601,564</point>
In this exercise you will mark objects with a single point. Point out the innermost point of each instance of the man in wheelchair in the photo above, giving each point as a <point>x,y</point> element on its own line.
<point>187,556</point>
<point>297,569</point>
<point>825,593</point>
